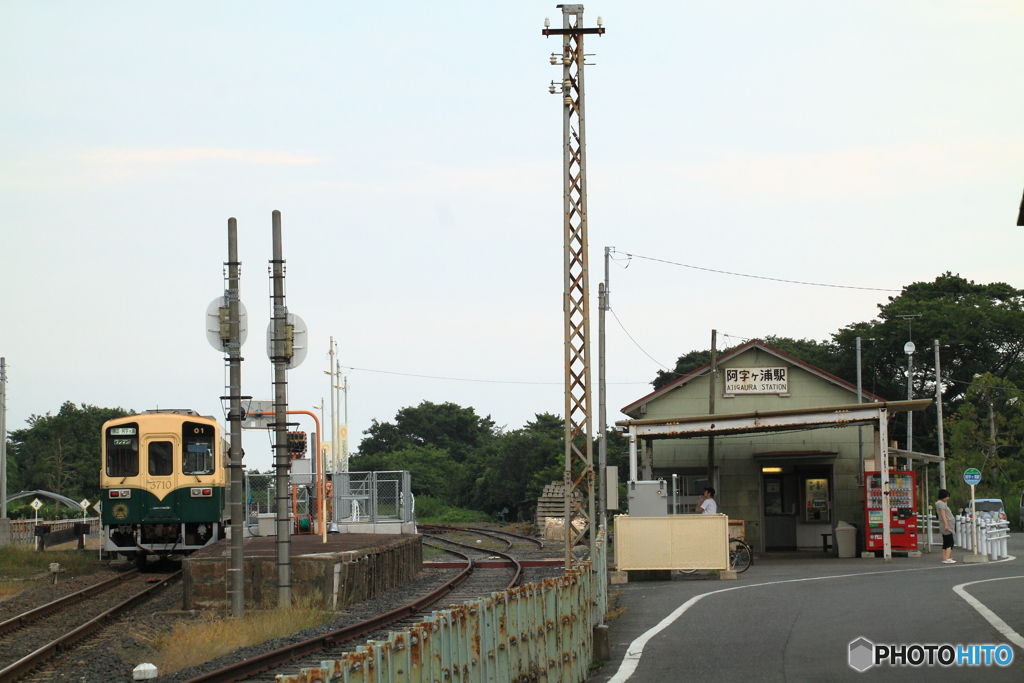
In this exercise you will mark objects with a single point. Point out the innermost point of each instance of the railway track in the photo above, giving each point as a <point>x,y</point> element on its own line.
<point>30,639</point>
<point>471,582</point>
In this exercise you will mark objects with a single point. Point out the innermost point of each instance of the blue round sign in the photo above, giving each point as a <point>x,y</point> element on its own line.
<point>972,477</point>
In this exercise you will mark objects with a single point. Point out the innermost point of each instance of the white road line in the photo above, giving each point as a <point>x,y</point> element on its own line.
<point>989,615</point>
<point>636,649</point>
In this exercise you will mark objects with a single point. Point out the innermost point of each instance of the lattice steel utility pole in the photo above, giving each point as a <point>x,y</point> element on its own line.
<point>579,449</point>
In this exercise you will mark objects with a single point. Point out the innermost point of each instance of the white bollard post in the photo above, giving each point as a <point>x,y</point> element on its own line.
<point>993,543</point>
<point>928,522</point>
<point>982,537</point>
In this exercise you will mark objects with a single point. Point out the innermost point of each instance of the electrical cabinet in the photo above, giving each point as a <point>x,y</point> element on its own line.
<point>648,498</point>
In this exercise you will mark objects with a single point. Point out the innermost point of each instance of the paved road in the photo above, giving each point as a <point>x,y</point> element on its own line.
<point>792,619</point>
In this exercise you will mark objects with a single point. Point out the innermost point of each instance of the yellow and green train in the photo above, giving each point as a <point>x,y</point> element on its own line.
<point>163,483</point>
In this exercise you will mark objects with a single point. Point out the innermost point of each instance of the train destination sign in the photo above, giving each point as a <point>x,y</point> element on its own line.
<point>756,381</point>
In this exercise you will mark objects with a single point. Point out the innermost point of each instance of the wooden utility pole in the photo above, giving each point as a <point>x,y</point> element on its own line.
<point>712,375</point>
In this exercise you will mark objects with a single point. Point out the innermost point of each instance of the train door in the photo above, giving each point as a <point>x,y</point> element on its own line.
<point>159,476</point>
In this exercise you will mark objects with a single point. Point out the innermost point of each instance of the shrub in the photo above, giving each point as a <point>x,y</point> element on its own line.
<point>430,510</point>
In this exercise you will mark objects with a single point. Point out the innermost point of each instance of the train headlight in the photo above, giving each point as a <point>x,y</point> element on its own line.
<point>120,493</point>
<point>202,493</point>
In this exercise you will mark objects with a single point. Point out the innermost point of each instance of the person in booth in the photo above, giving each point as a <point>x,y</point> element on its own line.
<point>707,505</point>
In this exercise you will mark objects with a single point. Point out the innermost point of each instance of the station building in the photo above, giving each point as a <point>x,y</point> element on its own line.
<point>790,486</point>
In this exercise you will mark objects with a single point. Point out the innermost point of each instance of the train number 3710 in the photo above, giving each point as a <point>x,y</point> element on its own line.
<point>158,485</point>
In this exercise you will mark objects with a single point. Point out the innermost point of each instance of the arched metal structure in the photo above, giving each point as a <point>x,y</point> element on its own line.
<point>73,504</point>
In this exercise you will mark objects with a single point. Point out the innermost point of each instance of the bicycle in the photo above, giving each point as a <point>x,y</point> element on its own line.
<point>740,557</point>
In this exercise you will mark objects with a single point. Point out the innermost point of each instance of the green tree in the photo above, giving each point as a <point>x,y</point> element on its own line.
<point>987,432</point>
<point>524,461</point>
<point>685,364</point>
<point>433,471</point>
<point>61,453</point>
<point>447,426</point>
<point>463,438</point>
<point>980,329</point>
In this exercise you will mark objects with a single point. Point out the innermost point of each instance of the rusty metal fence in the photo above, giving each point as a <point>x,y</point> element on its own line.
<point>23,530</point>
<point>538,632</point>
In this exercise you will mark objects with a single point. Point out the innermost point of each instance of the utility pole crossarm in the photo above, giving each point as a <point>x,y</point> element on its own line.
<point>573,31</point>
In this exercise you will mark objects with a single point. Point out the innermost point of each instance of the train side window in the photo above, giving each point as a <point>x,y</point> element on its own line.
<point>123,451</point>
<point>161,458</point>
<point>198,455</point>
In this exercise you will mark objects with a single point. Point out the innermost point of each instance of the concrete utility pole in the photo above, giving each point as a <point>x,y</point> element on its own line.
<point>909,349</point>
<point>235,417</point>
<point>579,447</point>
<point>334,410</point>
<point>910,397</point>
<point>343,438</point>
<point>602,398</point>
<point>860,399</point>
<point>713,376</point>
<point>282,340</point>
<point>3,438</point>
<point>938,407</point>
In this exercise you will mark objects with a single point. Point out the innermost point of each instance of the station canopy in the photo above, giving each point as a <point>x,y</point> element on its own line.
<point>849,415</point>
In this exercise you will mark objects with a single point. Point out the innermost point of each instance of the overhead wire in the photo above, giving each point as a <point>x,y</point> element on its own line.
<point>986,386</point>
<point>757,277</point>
<point>642,349</point>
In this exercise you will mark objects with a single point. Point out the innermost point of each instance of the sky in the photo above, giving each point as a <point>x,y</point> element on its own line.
<point>415,155</point>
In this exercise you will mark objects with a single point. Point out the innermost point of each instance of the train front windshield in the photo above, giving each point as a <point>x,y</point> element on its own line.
<point>199,451</point>
<point>123,451</point>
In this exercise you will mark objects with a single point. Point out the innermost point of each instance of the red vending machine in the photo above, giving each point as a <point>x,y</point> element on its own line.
<point>902,511</point>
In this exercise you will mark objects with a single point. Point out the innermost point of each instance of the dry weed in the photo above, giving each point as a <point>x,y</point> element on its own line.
<point>11,587</point>
<point>196,642</point>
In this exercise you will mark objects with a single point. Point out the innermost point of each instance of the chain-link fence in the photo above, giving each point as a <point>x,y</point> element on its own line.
<point>372,497</point>
<point>261,499</point>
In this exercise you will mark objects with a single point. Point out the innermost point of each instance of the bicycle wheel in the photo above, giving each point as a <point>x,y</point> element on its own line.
<point>740,557</point>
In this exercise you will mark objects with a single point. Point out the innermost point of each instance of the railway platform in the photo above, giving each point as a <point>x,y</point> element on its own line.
<point>346,569</point>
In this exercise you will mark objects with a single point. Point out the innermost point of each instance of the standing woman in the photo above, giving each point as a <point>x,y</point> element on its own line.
<point>946,524</point>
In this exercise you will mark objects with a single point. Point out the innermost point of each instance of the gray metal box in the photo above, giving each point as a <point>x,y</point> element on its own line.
<point>648,498</point>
